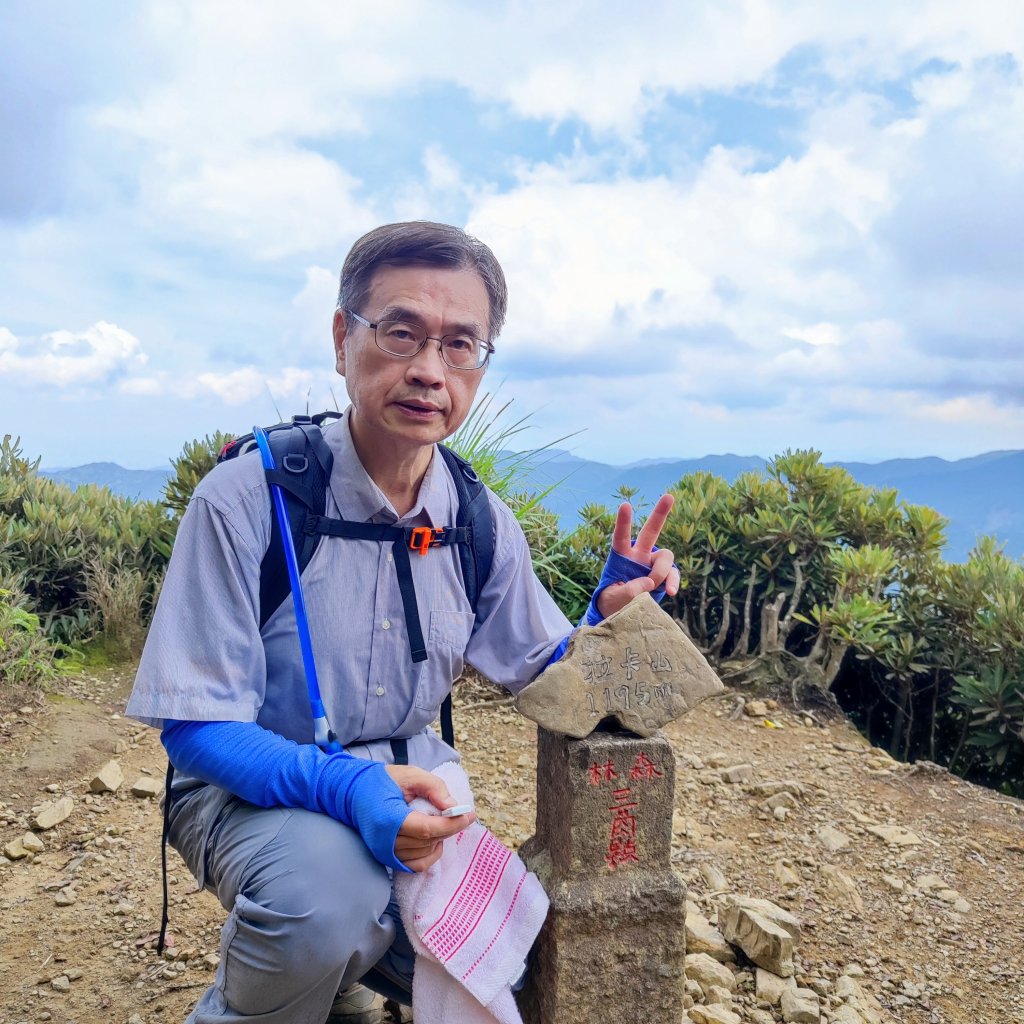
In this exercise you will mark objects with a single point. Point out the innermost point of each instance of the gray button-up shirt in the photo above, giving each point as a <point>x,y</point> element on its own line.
<point>207,660</point>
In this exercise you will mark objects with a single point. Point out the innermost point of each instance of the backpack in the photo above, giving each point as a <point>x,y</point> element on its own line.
<point>304,463</point>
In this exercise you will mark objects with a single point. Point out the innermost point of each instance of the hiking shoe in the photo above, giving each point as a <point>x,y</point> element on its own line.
<point>356,1005</point>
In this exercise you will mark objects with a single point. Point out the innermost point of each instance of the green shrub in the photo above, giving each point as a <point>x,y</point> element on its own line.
<point>26,656</point>
<point>51,534</point>
<point>197,458</point>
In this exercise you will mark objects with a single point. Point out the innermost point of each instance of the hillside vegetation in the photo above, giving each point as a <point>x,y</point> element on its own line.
<point>796,580</point>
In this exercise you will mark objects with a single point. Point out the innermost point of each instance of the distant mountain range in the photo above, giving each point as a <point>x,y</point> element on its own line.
<point>980,495</point>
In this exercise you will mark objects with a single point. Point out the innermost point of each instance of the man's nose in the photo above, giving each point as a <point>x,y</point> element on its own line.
<point>427,367</point>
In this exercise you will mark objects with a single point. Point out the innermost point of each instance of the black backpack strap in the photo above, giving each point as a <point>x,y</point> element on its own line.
<point>475,516</point>
<point>165,912</point>
<point>476,556</point>
<point>304,463</point>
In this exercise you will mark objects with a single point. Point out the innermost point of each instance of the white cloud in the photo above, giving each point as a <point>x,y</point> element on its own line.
<point>243,385</point>
<point>309,336</point>
<point>816,334</point>
<point>734,247</point>
<point>266,202</point>
<point>64,358</point>
<point>972,410</point>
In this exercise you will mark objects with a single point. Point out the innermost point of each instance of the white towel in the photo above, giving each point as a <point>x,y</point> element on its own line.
<point>471,918</point>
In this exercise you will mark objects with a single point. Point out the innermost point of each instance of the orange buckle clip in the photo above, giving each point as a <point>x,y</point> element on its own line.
<point>424,537</point>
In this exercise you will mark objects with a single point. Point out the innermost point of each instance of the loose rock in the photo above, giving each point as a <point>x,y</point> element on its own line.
<point>769,987</point>
<point>738,773</point>
<point>108,779</point>
<point>53,813</point>
<point>832,839</point>
<point>800,1006</point>
<point>704,937</point>
<point>764,931</point>
<point>895,835</point>
<point>713,1014</point>
<point>842,885</point>
<point>708,972</point>
<point>144,786</point>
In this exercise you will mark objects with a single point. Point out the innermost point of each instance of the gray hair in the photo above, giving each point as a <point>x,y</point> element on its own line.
<point>421,243</point>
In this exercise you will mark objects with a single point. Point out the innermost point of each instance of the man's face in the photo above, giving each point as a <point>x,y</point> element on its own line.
<point>414,402</point>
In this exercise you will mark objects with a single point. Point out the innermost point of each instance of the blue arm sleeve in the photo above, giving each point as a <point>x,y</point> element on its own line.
<point>270,771</point>
<point>618,569</point>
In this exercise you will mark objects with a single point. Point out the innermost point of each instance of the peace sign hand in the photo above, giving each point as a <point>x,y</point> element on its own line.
<point>635,568</point>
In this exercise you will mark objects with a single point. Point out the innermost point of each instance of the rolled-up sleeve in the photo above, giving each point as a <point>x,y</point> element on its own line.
<point>204,659</point>
<point>518,623</point>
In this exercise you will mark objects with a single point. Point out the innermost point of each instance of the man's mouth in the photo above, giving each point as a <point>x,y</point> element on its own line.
<point>421,408</point>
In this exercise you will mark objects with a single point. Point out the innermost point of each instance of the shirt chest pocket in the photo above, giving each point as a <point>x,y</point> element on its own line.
<point>450,629</point>
<point>447,638</point>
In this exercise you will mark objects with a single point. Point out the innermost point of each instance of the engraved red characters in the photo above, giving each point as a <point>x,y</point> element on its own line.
<point>622,834</point>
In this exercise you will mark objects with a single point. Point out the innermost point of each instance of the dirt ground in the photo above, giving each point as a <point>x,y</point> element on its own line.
<point>936,925</point>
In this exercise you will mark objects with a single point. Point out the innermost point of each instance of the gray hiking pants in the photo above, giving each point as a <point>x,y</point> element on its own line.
<point>309,910</point>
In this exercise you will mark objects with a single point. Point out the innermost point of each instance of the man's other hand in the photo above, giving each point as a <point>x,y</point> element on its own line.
<point>419,840</point>
<point>661,562</point>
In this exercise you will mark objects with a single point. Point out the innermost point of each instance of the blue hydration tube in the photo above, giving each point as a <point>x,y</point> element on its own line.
<point>323,735</point>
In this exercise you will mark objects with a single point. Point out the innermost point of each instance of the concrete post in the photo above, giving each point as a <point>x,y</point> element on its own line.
<point>614,943</point>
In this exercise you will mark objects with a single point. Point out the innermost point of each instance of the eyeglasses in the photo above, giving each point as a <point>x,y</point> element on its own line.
<point>460,351</point>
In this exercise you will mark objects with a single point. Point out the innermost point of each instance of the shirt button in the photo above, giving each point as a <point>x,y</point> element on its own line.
<point>379,691</point>
<point>391,557</point>
<point>386,624</point>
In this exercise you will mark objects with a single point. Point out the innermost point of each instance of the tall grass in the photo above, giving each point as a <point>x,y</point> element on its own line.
<point>485,440</point>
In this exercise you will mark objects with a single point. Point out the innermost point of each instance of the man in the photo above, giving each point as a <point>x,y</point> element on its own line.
<point>299,845</point>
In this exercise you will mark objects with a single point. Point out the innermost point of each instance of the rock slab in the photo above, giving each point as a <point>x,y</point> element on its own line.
<point>637,668</point>
<point>614,942</point>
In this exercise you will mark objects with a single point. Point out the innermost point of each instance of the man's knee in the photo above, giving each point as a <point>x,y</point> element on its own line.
<point>313,907</point>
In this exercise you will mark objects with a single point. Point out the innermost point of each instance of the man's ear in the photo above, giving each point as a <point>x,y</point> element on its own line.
<point>340,330</point>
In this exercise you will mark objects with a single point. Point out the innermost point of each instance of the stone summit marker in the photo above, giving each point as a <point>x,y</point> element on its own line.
<point>614,944</point>
<point>637,667</point>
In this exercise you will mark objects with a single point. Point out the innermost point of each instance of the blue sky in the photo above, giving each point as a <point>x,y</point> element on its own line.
<point>739,226</point>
